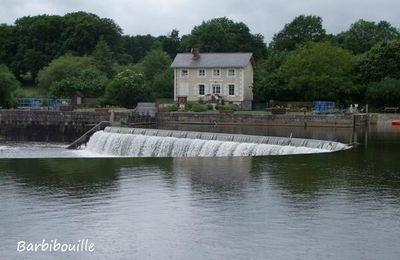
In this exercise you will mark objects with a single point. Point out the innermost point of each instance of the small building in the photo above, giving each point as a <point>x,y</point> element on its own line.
<point>227,76</point>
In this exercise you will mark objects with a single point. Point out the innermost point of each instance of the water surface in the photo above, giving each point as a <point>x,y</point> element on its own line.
<point>341,205</point>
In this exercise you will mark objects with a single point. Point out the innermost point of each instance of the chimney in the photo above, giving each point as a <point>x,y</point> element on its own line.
<point>196,53</point>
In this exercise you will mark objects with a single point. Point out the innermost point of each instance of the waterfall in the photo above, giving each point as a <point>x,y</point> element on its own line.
<point>136,142</point>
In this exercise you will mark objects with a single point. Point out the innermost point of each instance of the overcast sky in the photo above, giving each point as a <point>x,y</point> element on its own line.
<point>159,17</point>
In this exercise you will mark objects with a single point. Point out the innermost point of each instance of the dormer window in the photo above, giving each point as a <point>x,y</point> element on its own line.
<point>202,73</point>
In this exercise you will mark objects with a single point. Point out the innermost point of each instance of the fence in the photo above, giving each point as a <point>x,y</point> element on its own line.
<point>324,107</point>
<point>42,103</point>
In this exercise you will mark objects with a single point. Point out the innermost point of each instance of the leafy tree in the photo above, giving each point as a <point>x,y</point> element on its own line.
<point>83,31</point>
<point>384,93</point>
<point>319,71</point>
<point>38,40</point>
<point>301,29</point>
<point>155,62</point>
<point>91,83</point>
<point>8,84</point>
<point>138,46</point>
<point>267,84</point>
<point>170,43</point>
<point>224,35</point>
<point>64,67</point>
<point>103,58</point>
<point>127,89</point>
<point>163,84</point>
<point>362,35</point>
<point>382,61</point>
<point>8,44</point>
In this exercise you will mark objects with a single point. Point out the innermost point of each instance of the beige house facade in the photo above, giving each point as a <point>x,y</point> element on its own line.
<point>206,76</point>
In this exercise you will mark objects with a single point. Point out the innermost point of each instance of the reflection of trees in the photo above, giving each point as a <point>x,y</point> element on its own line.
<point>220,175</point>
<point>75,177</point>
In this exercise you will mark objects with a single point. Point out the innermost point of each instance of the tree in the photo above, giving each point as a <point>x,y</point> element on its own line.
<point>90,82</point>
<point>64,67</point>
<point>8,84</point>
<point>362,35</point>
<point>155,62</point>
<point>301,29</point>
<point>163,84</point>
<point>103,58</point>
<point>224,35</point>
<point>384,93</point>
<point>382,61</point>
<point>127,89</point>
<point>138,46</point>
<point>170,43</point>
<point>38,40</point>
<point>83,31</point>
<point>267,84</point>
<point>319,71</point>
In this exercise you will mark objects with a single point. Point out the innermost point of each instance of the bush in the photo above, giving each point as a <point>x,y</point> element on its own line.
<point>171,107</point>
<point>199,107</point>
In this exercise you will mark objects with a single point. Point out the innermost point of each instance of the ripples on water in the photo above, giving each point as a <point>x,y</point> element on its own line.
<point>343,205</point>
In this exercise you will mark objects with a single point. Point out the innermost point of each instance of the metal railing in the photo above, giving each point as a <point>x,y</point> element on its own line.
<point>42,103</point>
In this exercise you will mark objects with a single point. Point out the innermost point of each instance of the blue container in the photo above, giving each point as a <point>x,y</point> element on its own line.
<point>324,107</point>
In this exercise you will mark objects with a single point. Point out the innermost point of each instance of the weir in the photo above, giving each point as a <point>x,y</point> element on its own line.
<point>139,142</point>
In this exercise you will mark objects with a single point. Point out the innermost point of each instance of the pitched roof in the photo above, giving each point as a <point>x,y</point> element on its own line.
<point>212,60</point>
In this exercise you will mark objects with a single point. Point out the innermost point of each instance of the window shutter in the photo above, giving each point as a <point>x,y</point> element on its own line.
<point>195,90</point>
<point>236,90</point>
<point>226,90</point>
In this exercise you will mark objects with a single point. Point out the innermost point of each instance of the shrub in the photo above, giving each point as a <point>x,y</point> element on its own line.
<point>199,107</point>
<point>171,107</point>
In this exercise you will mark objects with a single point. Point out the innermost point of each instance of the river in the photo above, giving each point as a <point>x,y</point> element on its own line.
<point>339,205</point>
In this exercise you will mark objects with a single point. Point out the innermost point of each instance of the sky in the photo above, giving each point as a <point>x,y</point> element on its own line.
<point>159,17</point>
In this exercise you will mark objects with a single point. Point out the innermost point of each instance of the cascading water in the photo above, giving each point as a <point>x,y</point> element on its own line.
<point>136,142</point>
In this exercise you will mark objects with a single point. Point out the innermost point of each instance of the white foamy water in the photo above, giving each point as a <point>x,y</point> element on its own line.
<point>42,150</point>
<point>138,145</point>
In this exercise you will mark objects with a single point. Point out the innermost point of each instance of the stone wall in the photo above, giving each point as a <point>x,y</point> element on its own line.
<point>31,125</point>
<point>266,119</point>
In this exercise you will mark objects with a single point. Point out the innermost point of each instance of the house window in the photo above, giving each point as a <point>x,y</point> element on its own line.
<point>231,89</point>
<point>202,73</point>
<point>184,73</point>
<point>201,90</point>
<point>216,88</point>
<point>216,73</point>
<point>231,73</point>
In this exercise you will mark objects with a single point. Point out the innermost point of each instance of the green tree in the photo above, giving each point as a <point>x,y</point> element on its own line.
<point>138,46</point>
<point>224,35</point>
<point>319,71</point>
<point>382,61</point>
<point>170,43</point>
<point>64,67</point>
<point>267,84</point>
<point>384,93</point>
<point>155,62</point>
<point>83,31</point>
<point>8,84</point>
<point>90,82</point>
<point>38,40</point>
<point>301,29</point>
<point>103,58</point>
<point>362,35</point>
<point>163,84</point>
<point>127,89</point>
